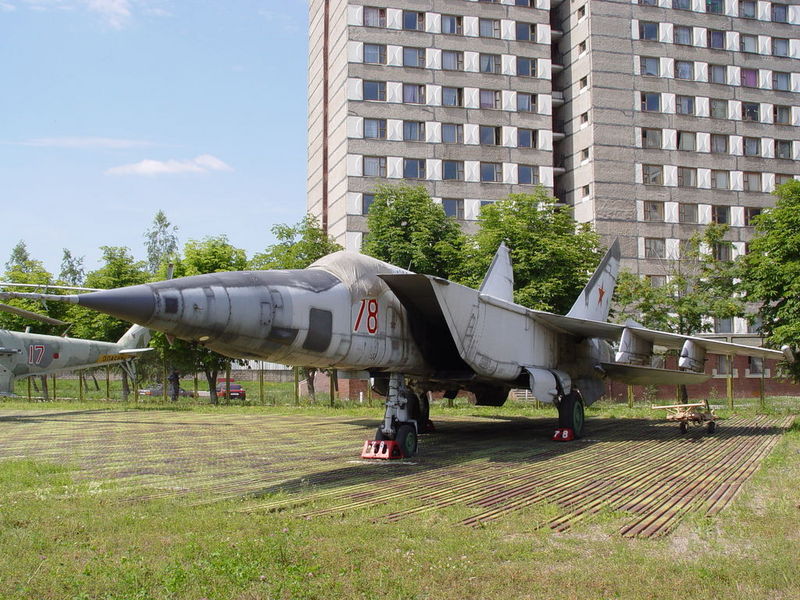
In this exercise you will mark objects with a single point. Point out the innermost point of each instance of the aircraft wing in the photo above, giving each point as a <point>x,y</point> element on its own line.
<point>135,351</point>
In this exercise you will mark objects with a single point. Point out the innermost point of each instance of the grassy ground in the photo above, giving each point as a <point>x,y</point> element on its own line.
<point>63,538</point>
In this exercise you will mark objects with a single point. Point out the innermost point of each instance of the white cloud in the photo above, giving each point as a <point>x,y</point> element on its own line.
<point>114,12</point>
<point>200,164</point>
<point>87,143</point>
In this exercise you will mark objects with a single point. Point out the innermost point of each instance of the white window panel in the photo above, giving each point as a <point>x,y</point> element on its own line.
<point>733,75</point>
<point>736,145</point>
<point>665,3</point>
<point>354,203</point>
<point>471,62</point>
<point>355,127</point>
<point>472,208</point>
<point>796,116</point>
<point>433,58</point>
<point>669,139</point>
<point>671,212</point>
<point>394,130</point>
<point>699,35</point>
<point>796,82</point>
<point>665,32</point>
<point>764,45</point>
<point>640,247</point>
<point>637,64</point>
<point>508,29</point>
<point>509,100</point>
<point>433,22</point>
<point>544,104</point>
<point>394,91</point>
<point>471,133</point>
<point>433,169</point>
<point>394,18</point>
<point>738,250</point>
<point>352,241</point>
<point>540,4</point>
<point>472,170</point>
<point>765,112</point>
<point>740,324</point>
<point>637,137</point>
<point>668,103</point>
<point>763,11</point>
<point>737,181</point>
<point>509,173</point>
<point>355,52</point>
<point>544,68</point>
<point>354,164</point>
<point>545,141</point>
<point>543,34</point>
<point>673,248</point>
<point>508,64</point>
<point>640,210</point>
<point>794,14</point>
<point>394,167</point>
<point>355,16</point>
<point>794,48</point>
<point>670,175</point>
<point>737,216</point>
<point>471,98</point>
<point>433,132</point>
<point>732,41</point>
<point>394,56</point>
<point>767,147</point>
<point>703,142</point>
<point>702,106</point>
<point>765,79</point>
<point>546,176</point>
<point>704,178</point>
<point>698,5</point>
<point>666,67</point>
<point>700,71</point>
<point>470,26</point>
<point>767,182</point>
<point>735,110</point>
<point>796,150</point>
<point>510,137</point>
<point>433,94</point>
<point>634,29</point>
<point>355,89</point>
<point>637,173</point>
<point>732,8</point>
<point>704,214</point>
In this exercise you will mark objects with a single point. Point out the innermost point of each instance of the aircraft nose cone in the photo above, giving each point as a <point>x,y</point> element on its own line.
<point>136,303</point>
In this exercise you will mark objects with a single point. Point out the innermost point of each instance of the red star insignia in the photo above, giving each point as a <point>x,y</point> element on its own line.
<point>602,293</point>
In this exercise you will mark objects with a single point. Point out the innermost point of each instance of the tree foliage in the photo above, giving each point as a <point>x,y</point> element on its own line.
<point>297,246</point>
<point>409,230</point>
<point>22,268</point>
<point>552,257</point>
<point>72,271</point>
<point>161,241</point>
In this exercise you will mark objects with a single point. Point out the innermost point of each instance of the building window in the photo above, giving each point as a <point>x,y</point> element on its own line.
<point>783,149</point>
<point>582,47</point>
<point>724,325</point>
<point>751,181</point>
<point>526,32</point>
<point>413,93</point>
<point>528,174</point>
<point>490,136</point>
<point>651,138</point>
<point>684,105</point>
<point>779,13</point>
<point>651,101</point>
<point>751,111</point>
<point>748,43</point>
<point>780,47</point>
<point>413,57</point>
<point>687,177</point>
<point>374,17</point>
<point>452,96</point>
<point>720,180</point>
<point>747,9</point>
<point>750,213</point>
<point>718,108</point>
<point>717,73</point>
<point>375,129</point>
<point>752,146</point>
<point>374,90</point>
<point>648,2</point>
<point>585,118</point>
<point>584,154</point>
<point>491,172</point>
<point>655,248</point>
<point>781,81</point>
<point>489,99</point>
<point>526,102</point>
<point>528,3</point>
<point>452,60</point>
<point>375,54</point>
<point>583,83</point>
<point>687,140</point>
<point>782,115</point>
<point>585,191</point>
<point>453,207</point>
<point>721,215</point>
<point>653,211</point>
<point>723,362</point>
<point>657,281</point>
<point>687,213</point>
<point>366,202</point>
<point>652,174</point>
<point>453,170</point>
<point>526,67</point>
<point>682,4</point>
<point>413,20</point>
<point>715,7</point>
<point>682,35</point>
<point>452,24</point>
<point>648,30</point>
<point>749,77</point>
<point>684,69</point>
<point>526,138</point>
<point>414,131</point>
<point>715,39</point>
<point>755,364</point>
<point>414,168</point>
<point>489,28</point>
<point>719,143</point>
<point>581,12</point>
<point>489,63</point>
<point>374,166</point>
<point>452,133</point>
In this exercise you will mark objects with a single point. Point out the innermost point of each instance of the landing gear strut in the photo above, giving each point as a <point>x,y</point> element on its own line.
<point>405,417</point>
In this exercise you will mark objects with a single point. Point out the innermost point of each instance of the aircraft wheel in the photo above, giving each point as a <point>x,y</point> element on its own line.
<point>379,435</point>
<point>406,438</point>
<point>711,427</point>
<point>571,413</point>
<point>683,426</point>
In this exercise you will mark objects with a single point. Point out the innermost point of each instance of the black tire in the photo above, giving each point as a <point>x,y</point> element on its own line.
<point>683,426</point>
<point>711,427</point>
<point>379,435</point>
<point>571,414</point>
<point>406,438</point>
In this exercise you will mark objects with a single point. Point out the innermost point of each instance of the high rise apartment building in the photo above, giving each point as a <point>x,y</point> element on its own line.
<point>650,118</point>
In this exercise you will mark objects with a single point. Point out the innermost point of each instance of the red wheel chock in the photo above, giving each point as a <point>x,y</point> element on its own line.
<point>383,449</point>
<point>564,435</point>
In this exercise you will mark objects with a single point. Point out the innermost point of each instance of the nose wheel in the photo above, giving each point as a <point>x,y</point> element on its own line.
<point>571,415</point>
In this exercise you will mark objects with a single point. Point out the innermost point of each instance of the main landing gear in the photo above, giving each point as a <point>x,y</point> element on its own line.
<point>407,415</point>
<point>570,417</point>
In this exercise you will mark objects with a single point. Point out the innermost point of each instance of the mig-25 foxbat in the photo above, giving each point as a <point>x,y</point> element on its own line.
<point>414,333</point>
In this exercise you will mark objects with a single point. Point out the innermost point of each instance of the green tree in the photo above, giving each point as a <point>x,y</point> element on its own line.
<point>161,241</point>
<point>22,268</point>
<point>552,257</point>
<point>72,272</point>
<point>407,229</point>
<point>20,258</point>
<point>296,246</point>
<point>771,270</point>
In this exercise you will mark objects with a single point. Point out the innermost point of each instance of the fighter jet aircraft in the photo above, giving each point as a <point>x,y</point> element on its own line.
<point>415,333</point>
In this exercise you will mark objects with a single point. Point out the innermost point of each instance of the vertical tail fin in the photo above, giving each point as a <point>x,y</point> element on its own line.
<point>595,299</point>
<point>136,337</point>
<point>499,279</point>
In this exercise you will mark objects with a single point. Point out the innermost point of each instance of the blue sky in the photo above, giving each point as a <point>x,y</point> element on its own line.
<point>111,110</point>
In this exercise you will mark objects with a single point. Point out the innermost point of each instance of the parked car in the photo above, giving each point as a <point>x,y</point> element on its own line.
<point>237,391</point>
<point>158,390</point>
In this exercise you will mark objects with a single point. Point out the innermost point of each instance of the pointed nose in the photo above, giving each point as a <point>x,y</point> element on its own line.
<point>136,303</point>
